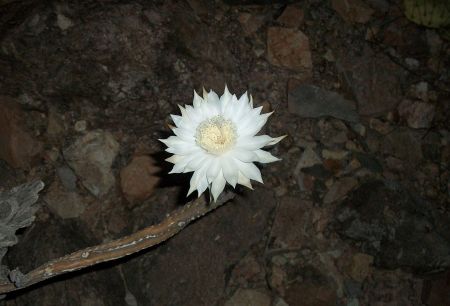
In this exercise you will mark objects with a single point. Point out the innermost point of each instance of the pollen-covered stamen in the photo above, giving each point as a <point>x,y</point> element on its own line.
<point>216,135</point>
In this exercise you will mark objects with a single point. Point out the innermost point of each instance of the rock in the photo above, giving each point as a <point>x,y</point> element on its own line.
<point>395,226</point>
<point>63,22</point>
<point>309,158</point>
<point>245,297</point>
<point>436,290</point>
<point>277,277</point>
<point>331,132</point>
<point>280,302</point>
<point>289,48</point>
<point>310,101</point>
<point>359,128</point>
<point>421,91</point>
<point>369,162</point>
<point>332,165</point>
<point>292,16</point>
<point>55,125</point>
<point>138,179</point>
<point>353,11</point>
<point>412,63</point>
<point>17,146</point>
<point>418,115</point>
<point>67,177</point>
<point>91,157</point>
<point>405,144</point>
<point>64,204</point>
<point>340,189</point>
<point>361,266</point>
<point>285,230</point>
<point>246,271</point>
<point>380,126</point>
<point>374,80</point>
<point>308,293</point>
<point>80,126</point>
<point>334,154</point>
<point>251,23</point>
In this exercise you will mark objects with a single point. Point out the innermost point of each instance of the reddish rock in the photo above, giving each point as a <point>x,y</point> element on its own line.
<point>65,204</point>
<point>285,231</point>
<point>360,267</point>
<point>340,189</point>
<point>138,179</point>
<point>375,80</point>
<point>17,146</point>
<point>251,23</point>
<point>353,11</point>
<point>332,165</point>
<point>308,294</point>
<point>289,48</point>
<point>292,17</point>
<point>436,291</point>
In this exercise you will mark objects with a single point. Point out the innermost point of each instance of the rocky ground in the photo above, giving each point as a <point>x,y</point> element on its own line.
<point>357,211</point>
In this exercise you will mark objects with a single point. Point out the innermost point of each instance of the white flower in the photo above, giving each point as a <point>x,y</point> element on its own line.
<point>216,139</point>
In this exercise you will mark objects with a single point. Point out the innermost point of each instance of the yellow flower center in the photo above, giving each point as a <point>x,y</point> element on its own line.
<point>216,135</point>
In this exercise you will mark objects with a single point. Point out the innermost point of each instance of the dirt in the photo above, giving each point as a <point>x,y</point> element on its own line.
<point>100,78</point>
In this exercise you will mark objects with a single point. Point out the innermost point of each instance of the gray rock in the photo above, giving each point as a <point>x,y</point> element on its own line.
<point>398,228</point>
<point>67,177</point>
<point>91,157</point>
<point>309,158</point>
<point>405,144</point>
<point>244,297</point>
<point>310,101</point>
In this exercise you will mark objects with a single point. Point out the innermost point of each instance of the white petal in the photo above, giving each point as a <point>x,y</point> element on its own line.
<point>244,98</point>
<point>255,128</point>
<point>184,149</point>
<point>276,140</point>
<point>202,185</point>
<point>175,158</point>
<point>217,186</point>
<point>176,119</point>
<point>230,171</point>
<point>265,157</point>
<point>256,142</point>
<point>249,120</point>
<point>253,142</point>
<point>244,155</point>
<point>213,100</point>
<point>213,170</point>
<point>197,178</point>
<point>193,115</point>
<point>249,170</point>
<point>184,134</point>
<point>198,101</point>
<point>243,180</point>
<point>225,99</point>
<point>196,161</point>
<point>242,109</point>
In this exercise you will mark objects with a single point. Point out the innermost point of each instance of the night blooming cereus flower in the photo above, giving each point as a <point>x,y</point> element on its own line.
<point>216,139</point>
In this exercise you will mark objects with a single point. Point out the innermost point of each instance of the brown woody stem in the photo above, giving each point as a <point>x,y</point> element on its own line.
<point>143,239</point>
